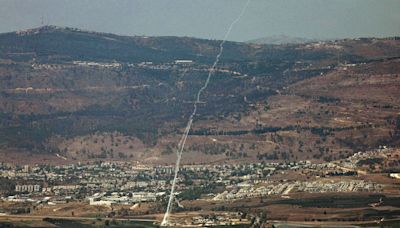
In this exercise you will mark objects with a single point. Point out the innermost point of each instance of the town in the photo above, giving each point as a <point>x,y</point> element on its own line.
<point>111,184</point>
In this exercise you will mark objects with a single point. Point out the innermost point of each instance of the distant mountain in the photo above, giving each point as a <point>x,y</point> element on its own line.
<point>281,39</point>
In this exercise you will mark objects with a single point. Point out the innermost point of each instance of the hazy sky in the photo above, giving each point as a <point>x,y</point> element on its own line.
<point>210,18</point>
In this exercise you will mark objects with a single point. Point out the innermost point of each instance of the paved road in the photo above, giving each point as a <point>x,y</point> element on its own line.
<point>72,218</point>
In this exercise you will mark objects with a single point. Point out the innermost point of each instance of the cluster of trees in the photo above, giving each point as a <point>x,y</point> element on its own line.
<point>6,185</point>
<point>268,156</point>
<point>193,193</point>
<point>210,148</point>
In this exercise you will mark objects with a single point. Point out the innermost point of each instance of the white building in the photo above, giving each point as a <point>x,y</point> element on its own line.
<point>27,188</point>
<point>183,61</point>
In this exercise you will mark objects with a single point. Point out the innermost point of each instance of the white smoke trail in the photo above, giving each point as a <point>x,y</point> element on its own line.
<point>185,134</point>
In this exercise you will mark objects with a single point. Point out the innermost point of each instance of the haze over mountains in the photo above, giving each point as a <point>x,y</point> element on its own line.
<point>68,95</point>
<point>282,39</point>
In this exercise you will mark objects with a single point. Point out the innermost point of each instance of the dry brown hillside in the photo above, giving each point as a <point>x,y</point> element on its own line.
<point>67,95</point>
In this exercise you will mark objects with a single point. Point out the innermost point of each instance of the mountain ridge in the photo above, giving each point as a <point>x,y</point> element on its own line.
<point>76,94</point>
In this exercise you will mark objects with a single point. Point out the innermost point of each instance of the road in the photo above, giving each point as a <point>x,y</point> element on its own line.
<point>71,218</point>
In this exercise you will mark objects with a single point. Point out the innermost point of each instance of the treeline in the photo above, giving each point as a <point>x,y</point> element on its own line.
<point>321,131</point>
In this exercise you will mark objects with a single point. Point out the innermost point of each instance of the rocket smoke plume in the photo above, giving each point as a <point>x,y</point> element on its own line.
<point>182,141</point>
